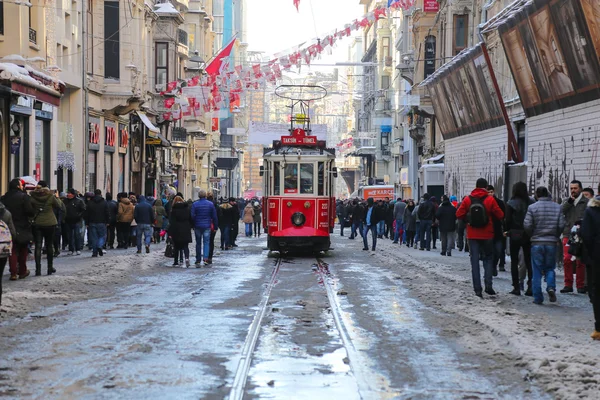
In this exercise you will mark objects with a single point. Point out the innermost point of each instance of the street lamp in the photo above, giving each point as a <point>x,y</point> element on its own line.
<point>198,60</point>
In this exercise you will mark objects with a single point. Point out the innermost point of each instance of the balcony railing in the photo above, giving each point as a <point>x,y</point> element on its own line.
<point>179,135</point>
<point>32,36</point>
<point>182,37</point>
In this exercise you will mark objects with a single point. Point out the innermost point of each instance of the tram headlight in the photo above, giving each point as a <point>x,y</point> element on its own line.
<point>298,219</point>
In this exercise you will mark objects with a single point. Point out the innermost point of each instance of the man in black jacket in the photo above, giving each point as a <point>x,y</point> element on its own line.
<point>357,215</point>
<point>446,215</point>
<point>97,218</point>
<point>373,216</point>
<point>113,207</point>
<point>18,203</point>
<point>426,213</point>
<point>73,219</point>
<point>590,232</point>
<point>499,239</point>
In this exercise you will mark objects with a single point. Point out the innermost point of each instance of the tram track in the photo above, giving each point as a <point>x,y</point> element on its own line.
<point>355,360</point>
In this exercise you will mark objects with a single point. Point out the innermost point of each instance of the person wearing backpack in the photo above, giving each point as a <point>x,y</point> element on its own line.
<point>544,223</point>
<point>478,210</point>
<point>7,233</point>
<point>516,209</point>
<point>44,201</point>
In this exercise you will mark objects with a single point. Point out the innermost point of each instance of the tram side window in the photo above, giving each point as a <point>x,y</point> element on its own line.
<point>276,179</point>
<point>291,178</point>
<point>321,179</point>
<point>307,177</point>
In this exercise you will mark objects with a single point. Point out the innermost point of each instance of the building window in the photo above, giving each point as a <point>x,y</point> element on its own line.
<point>385,47</point>
<point>461,24</point>
<point>112,64</point>
<point>162,63</point>
<point>1,18</point>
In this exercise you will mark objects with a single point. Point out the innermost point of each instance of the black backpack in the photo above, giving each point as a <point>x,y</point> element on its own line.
<point>477,216</point>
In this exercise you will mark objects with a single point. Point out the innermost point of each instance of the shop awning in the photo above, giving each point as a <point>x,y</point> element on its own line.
<point>158,140</point>
<point>227,163</point>
<point>151,128</point>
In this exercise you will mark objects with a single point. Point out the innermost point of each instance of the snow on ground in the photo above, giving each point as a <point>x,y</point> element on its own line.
<point>550,344</point>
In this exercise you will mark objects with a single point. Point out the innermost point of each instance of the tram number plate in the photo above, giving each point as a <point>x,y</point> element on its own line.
<point>272,205</point>
<point>324,206</point>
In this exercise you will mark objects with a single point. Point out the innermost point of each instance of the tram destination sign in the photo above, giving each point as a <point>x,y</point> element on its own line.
<point>299,138</point>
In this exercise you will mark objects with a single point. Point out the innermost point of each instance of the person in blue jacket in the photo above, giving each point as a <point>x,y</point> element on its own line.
<point>204,215</point>
<point>144,218</point>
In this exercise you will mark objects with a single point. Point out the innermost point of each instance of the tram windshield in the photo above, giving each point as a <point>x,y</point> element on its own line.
<point>306,178</point>
<point>291,178</point>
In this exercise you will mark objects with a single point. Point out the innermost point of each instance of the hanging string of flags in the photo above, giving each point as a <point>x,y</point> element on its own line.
<point>223,85</point>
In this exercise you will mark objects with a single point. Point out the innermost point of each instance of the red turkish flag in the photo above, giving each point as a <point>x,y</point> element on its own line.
<point>297,4</point>
<point>169,102</point>
<point>215,125</point>
<point>214,68</point>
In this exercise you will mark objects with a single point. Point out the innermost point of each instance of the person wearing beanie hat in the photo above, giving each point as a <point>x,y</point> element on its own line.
<point>75,209</point>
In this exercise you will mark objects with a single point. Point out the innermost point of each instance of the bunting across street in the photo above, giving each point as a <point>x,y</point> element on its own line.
<point>222,84</point>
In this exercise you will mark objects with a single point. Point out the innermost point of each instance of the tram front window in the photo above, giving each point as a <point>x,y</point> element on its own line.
<point>306,178</point>
<point>291,178</point>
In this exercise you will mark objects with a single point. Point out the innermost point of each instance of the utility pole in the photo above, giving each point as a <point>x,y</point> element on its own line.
<point>84,86</point>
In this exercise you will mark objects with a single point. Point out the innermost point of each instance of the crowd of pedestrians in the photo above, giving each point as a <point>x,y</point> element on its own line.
<point>43,221</point>
<point>539,231</point>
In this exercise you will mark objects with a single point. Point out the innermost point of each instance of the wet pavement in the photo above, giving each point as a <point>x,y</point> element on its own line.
<point>180,333</point>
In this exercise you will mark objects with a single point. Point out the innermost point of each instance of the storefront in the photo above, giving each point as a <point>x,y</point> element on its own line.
<point>19,139</point>
<point>5,134</point>
<point>110,146</point>
<point>43,141</point>
<point>123,159</point>
<point>92,156</point>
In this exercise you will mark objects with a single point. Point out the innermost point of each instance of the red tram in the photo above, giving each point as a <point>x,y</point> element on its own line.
<point>298,170</point>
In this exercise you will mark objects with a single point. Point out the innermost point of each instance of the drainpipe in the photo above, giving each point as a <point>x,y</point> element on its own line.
<point>84,86</point>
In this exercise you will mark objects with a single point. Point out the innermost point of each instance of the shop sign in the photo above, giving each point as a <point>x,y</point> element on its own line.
<point>431,6</point>
<point>94,135</point>
<point>153,141</point>
<point>110,137</point>
<point>123,139</point>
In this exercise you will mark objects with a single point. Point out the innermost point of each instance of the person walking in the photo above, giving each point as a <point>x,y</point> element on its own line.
<point>226,218</point>
<point>113,209</point>
<point>399,209</point>
<point>410,223</point>
<point>248,218</point>
<point>426,213</point>
<point>75,210</point>
<point>590,233</point>
<point>573,209</point>
<point>7,233</point>
<point>204,215</point>
<point>160,216</point>
<point>544,223</point>
<point>60,218</point>
<point>357,215</point>
<point>434,226</point>
<point>446,216</point>
<point>18,203</point>
<point>235,222</point>
<point>180,230</point>
<point>373,216</point>
<point>516,210</point>
<point>144,217</point>
<point>98,218</point>
<point>499,239</point>
<point>477,210</point>
<point>44,201</point>
<point>257,217</point>
<point>125,212</point>
<point>213,232</point>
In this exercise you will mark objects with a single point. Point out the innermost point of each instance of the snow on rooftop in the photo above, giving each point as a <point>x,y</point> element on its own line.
<point>14,72</point>
<point>165,9</point>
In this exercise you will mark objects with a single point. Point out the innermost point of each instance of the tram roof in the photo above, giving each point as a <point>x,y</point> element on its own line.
<point>293,151</point>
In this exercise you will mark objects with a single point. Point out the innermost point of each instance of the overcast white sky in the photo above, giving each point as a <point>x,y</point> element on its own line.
<point>275,26</point>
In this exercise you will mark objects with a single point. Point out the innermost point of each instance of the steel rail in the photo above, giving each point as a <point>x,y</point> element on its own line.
<point>355,359</point>
<point>241,374</point>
